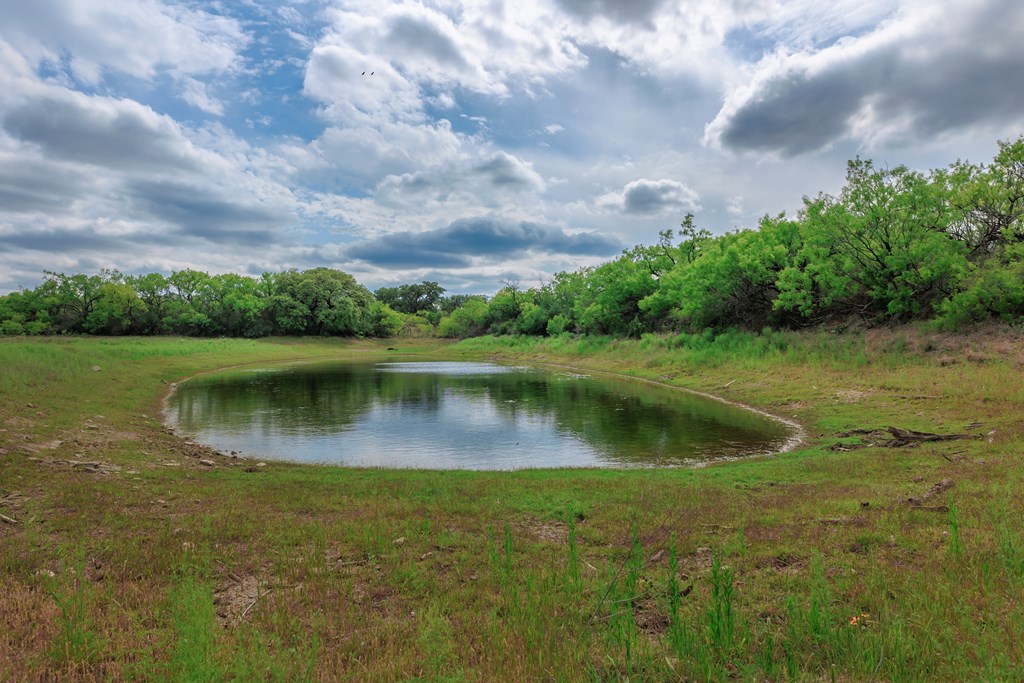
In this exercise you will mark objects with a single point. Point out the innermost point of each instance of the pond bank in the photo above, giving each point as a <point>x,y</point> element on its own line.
<point>128,557</point>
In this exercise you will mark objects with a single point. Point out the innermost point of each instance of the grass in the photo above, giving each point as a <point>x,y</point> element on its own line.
<point>807,566</point>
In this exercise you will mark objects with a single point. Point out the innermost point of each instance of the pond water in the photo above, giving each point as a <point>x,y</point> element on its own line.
<point>455,415</point>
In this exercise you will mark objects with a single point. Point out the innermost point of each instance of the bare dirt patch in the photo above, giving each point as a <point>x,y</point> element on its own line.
<point>236,597</point>
<point>549,532</point>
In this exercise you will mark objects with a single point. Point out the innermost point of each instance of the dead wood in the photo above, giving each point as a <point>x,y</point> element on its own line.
<point>908,436</point>
<point>897,438</point>
<point>935,490</point>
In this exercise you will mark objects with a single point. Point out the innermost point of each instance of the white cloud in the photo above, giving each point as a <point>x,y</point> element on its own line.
<point>134,37</point>
<point>646,197</point>
<point>195,93</point>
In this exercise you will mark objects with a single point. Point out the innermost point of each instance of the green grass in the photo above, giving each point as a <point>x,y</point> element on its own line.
<point>806,566</point>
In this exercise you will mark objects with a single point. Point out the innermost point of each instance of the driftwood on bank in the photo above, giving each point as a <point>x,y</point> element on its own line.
<point>895,437</point>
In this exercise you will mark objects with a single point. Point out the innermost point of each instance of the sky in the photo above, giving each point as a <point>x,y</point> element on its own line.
<point>465,142</point>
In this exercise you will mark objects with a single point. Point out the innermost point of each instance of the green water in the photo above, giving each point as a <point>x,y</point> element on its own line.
<point>446,415</point>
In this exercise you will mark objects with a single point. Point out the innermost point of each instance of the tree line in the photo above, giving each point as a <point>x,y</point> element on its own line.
<point>894,245</point>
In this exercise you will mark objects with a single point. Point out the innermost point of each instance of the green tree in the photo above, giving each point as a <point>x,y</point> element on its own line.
<point>469,319</point>
<point>881,248</point>
<point>412,298</point>
<point>732,281</point>
<point>322,301</point>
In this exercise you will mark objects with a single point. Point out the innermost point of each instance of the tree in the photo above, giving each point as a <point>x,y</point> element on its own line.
<point>467,320</point>
<point>881,248</point>
<point>412,298</point>
<point>322,301</point>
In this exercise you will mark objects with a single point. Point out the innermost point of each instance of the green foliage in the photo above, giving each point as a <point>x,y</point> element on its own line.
<point>995,289</point>
<point>467,320</point>
<point>557,325</point>
<point>320,301</point>
<point>893,245</point>
<point>614,290</point>
<point>386,322</point>
<point>413,298</point>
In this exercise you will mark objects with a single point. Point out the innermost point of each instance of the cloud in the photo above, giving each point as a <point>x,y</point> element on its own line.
<point>119,134</point>
<point>506,170</point>
<point>489,239</point>
<point>427,34</point>
<point>485,181</point>
<point>645,197</point>
<point>42,239</point>
<point>197,94</point>
<point>628,11</point>
<point>932,70</point>
<point>360,156</point>
<point>139,38</point>
<point>30,185</point>
<point>210,214</point>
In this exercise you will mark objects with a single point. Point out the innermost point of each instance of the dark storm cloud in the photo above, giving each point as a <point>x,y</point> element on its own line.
<point>118,134</point>
<point>489,238</point>
<point>415,35</point>
<point>794,114</point>
<point>29,185</point>
<point>623,11</point>
<point>904,90</point>
<point>206,213</point>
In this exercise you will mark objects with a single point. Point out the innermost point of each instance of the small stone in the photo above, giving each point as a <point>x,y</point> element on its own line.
<point>261,464</point>
<point>208,463</point>
<point>399,541</point>
<point>95,368</point>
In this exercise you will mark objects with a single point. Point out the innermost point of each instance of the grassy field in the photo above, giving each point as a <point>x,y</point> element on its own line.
<point>122,556</point>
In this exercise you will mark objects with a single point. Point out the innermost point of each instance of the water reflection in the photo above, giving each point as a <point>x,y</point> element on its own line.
<point>461,415</point>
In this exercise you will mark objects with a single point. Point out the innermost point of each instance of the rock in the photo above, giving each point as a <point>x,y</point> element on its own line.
<point>95,368</point>
<point>399,541</point>
<point>208,463</point>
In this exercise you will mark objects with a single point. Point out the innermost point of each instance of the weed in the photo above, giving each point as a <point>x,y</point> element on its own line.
<point>77,640</point>
<point>956,544</point>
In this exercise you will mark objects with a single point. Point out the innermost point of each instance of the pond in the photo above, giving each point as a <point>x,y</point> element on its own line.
<point>459,415</point>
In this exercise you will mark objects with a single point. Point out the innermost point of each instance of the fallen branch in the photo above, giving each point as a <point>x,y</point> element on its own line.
<point>908,436</point>
<point>935,490</point>
<point>898,438</point>
<point>253,603</point>
<point>8,520</point>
